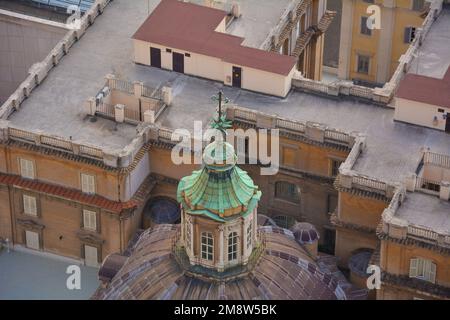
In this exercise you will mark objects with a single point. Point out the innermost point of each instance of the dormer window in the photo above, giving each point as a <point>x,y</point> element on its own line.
<point>207,246</point>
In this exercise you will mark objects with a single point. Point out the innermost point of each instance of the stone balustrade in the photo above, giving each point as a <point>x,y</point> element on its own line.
<point>382,95</point>
<point>310,130</point>
<point>398,228</point>
<point>39,71</point>
<point>112,158</point>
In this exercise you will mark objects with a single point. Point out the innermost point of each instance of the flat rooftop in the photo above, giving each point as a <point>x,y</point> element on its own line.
<point>258,18</point>
<point>26,276</point>
<point>424,210</point>
<point>191,27</point>
<point>393,149</point>
<point>434,54</point>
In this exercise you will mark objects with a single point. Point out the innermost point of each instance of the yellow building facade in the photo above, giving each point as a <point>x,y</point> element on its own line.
<point>371,56</point>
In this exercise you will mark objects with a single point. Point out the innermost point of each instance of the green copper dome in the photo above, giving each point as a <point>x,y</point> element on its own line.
<point>220,189</point>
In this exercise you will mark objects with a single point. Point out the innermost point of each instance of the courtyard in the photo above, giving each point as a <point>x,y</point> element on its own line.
<point>34,277</point>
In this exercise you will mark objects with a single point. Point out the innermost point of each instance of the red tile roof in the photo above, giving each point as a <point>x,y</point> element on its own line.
<point>190,27</point>
<point>425,89</point>
<point>71,194</point>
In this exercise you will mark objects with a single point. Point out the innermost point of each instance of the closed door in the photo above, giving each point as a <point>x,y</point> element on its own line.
<point>32,240</point>
<point>155,57</point>
<point>90,256</point>
<point>237,77</point>
<point>447,123</point>
<point>178,62</point>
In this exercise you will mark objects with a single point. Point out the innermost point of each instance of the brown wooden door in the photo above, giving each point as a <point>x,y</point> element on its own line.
<point>155,57</point>
<point>447,123</point>
<point>178,62</point>
<point>237,77</point>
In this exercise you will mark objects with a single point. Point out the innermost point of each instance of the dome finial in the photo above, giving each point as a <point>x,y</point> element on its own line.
<point>221,123</point>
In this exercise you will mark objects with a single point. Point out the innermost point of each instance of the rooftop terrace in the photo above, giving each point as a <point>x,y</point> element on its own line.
<point>425,210</point>
<point>393,149</point>
<point>258,18</point>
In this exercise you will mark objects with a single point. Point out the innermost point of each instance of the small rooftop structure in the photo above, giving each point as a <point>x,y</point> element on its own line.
<point>424,101</point>
<point>426,89</point>
<point>305,233</point>
<point>176,31</point>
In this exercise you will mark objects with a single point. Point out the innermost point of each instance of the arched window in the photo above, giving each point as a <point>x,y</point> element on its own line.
<point>207,247</point>
<point>287,191</point>
<point>284,221</point>
<point>232,246</point>
<point>422,269</point>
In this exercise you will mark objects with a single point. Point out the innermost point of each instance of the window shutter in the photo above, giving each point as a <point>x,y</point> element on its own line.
<point>85,219</point>
<point>32,205</point>
<point>413,267</point>
<point>431,276</point>
<point>87,183</point>
<point>29,205</point>
<point>90,220</point>
<point>407,35</point>
<point>26,168</point>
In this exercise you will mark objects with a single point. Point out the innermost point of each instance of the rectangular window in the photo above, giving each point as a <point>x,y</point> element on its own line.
<point>168,50</point>
<point>29,205</point>
<point>418,5</point>
<point>287,191</point>
<point>249,234</point>
<point>410,34</point>
<point>207,246</point>
<point>364,29</point>
<point>32,240</point>
<point>90,256</point>
<point>297,30</point>
<point>90,220</point>
<point>87,183</point>
<point>363,64</point>
<point>27,168</point>
<point>422,269</point>
<point>187,55</point>
<point>232,246</point>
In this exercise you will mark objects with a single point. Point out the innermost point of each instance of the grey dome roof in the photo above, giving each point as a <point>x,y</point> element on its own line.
<point>283,271</point>
<point>264,220</point>
<point>359,262</point>
<point>305,233</point>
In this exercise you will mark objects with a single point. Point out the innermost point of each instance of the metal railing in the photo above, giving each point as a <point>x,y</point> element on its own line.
<point>428,185</point>
<point>105,109</point>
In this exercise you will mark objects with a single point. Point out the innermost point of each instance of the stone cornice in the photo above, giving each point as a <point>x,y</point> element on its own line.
<point>30,223</point>
<point>243,124</point>
<point>335,221</point>
<point>415,284</point>
<point>410,241</point>
<point>80,159</point>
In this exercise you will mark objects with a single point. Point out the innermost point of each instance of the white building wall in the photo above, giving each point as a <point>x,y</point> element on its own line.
<point>421,114</point>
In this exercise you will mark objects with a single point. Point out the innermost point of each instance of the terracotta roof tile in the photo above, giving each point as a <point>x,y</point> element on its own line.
<point>191,27</point>
<point>426,89</point>
<point>71,194</point>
